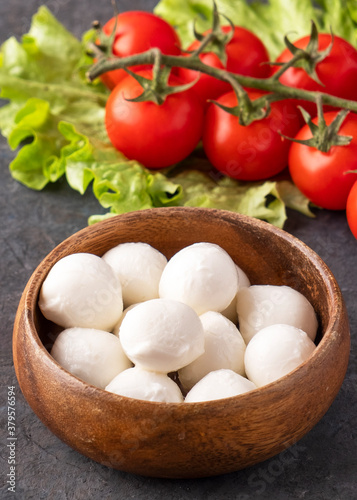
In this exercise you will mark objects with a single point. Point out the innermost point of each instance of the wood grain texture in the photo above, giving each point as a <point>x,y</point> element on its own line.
<point>198,439</point>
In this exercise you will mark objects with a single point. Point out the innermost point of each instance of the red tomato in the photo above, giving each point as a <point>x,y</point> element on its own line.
<point>245,55</point>
<point>337,72</point>
<point>136,32</point>
<point>324,177</point>
<point>155,135</point>
<point>252,152</point>
<point>351,210</point>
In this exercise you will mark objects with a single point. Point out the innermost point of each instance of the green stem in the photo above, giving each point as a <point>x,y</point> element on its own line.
<point>320,114</point>
<point>157,68</point>
<point>297,57</point>
<point>206,41</point>
<point>194,63</point>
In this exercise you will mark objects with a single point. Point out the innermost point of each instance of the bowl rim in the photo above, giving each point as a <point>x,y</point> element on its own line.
<point>326,342</point>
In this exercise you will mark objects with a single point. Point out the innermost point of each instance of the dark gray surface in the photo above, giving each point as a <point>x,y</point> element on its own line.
<point>322,465</point>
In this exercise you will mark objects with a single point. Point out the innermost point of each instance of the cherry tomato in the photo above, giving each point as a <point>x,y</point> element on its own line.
<point>351,209</point>
<point>253,152</point>
<point>337,72</point>
<point>155,135</point>
<point>324,177</point>
<point>136,32</point>
<point>245,55</point>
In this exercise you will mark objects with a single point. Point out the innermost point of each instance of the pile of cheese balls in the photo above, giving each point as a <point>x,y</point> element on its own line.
<point>141,326</point>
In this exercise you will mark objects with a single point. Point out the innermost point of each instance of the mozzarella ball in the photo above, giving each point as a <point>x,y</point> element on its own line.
<point>201,275</point>
<point>81,290</point>
<point>162,335</point>
<point>231,311</point>
<point>94,356</point>
<point>259,306</point>
<point>224,348</point>
<point>138,267</point>
<point>118,324</point>
<point>142,384</point>
<point>219,384</point>
<point>243,280</point>
<point>275,351</point>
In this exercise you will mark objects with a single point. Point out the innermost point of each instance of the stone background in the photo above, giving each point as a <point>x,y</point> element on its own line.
<point>322,465</point>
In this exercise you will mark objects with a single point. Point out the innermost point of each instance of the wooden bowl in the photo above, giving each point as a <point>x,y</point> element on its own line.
<point>198,439</point>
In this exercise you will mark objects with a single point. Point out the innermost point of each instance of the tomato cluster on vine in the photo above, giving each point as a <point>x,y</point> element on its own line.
<point>161,134</point>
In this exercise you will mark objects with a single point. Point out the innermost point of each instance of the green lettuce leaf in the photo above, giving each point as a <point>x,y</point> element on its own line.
<point>54,119</point>
<point>340,16</point>
<point>293,198</point>
<point>271,20</point>
<point>260,200</point>
<point>61,118</point>
<point>119,184</point>
<point>36,163</point>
